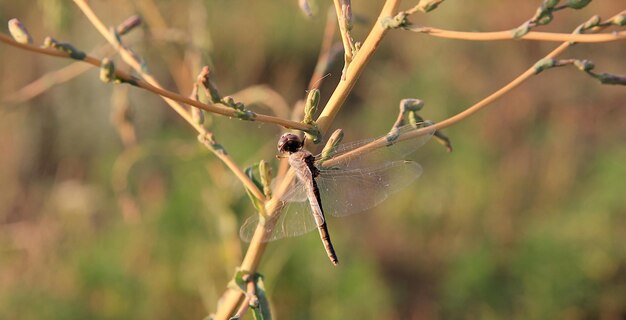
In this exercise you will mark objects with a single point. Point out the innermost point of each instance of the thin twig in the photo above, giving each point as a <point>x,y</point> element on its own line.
<point>159,91</point>
<point>508,35</point>
<point>379,143</point>
<point>345,33</point>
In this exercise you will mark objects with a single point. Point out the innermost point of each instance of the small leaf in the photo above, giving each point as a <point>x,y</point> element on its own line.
<point>264,312</point>
<point>257,203</point>
<point>237,281</point>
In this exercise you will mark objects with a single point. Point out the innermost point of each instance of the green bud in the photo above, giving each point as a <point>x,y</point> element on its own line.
<point>310,107</point>
<point>239,106</point>
<point>74,53</point>
<point>431,5</point>
<point>399,21</point>
<point>107,70</point>
<point>619,20</point>
<point>49,42</point>
<point>584,65</point>
<point>544,64</point>
<point>208,85</point>
<point>245,115</point>
<point>128,25</point>
<point>577,4</point>
<point>407,105</point>
<point>229,101</point>
<point>550,4</point>
<point>521,30</point>
<point>331,146</point>
<point>314,134</point>
<point>19,32</point>
<point>544,18</point>
<point>592,22</point>
<point>265,172</point>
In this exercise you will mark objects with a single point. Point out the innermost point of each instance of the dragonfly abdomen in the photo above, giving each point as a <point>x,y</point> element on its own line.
<point>328,244</point>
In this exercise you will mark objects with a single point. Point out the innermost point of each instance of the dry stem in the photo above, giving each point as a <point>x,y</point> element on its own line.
<point>532,35</point>
<point>161,92</point>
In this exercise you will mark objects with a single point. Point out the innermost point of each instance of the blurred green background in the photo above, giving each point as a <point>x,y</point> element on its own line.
<point>524,220</point>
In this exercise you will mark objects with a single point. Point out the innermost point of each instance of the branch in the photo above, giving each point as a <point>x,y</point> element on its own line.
<point>159,91</point>
<point>508,35</point>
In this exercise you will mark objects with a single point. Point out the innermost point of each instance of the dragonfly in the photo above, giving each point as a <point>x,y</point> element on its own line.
<point>351,178</point>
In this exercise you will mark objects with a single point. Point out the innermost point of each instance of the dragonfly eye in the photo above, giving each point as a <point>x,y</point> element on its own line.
<point>289,142</point>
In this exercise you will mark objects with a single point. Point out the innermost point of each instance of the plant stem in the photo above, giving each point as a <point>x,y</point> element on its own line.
<point>159,91</point>
<point>532,35</point>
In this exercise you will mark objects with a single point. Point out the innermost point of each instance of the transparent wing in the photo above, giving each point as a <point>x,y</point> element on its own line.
<point>345,192</point>
<point>397,148</point>
<point>352,191</point>
<point>295,220</point>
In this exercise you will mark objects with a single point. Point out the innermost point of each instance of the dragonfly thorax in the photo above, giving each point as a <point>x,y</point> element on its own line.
<point>290,143</point>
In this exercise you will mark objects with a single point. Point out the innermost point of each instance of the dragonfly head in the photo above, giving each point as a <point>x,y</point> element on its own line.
<point>290,143</point>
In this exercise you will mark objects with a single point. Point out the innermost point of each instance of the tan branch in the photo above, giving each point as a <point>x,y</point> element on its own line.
<point>532,35</point>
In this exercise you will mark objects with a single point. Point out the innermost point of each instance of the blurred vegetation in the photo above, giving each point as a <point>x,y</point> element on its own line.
<point>524,220</point>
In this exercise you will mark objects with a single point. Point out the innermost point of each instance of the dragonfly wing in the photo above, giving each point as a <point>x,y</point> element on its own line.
<point>296,193</point>
<point>295,219</point>
<point>395,150</point>
<point>346,192</point>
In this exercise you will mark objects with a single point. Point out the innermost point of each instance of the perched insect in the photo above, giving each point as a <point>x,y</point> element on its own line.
<point>351,178</point>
